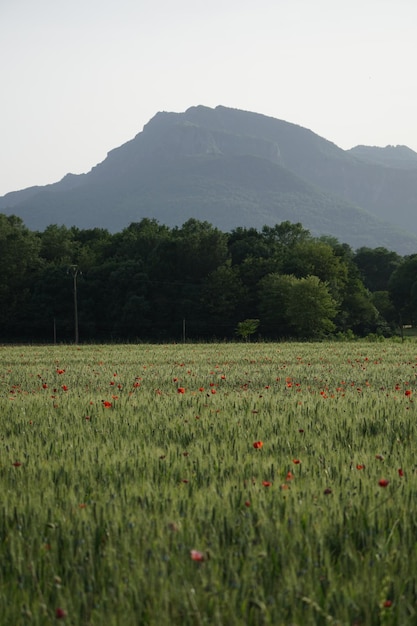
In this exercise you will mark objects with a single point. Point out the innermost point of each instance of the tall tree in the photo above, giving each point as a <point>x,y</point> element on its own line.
<point>376,266</point>
<point>402,288</point>
<point>311,308</point>
<point>20,263</point>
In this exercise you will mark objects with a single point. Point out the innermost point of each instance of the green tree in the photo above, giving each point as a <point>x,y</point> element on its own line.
<point>357,311</point>
<point>376,267</point>
<point>274,293</point>
<point>20,263</point>
<point>246,328</point>
<point>402,288</point>
<point>314,257</point>
<point>311,308</point>
<point>58,245</point>
<point>223,296</point>
<point>246,243</point>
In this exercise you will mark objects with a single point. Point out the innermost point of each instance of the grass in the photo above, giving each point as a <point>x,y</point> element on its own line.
<point>101,505</point>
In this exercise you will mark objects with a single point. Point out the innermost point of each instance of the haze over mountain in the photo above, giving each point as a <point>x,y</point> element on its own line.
<point>237,168</point>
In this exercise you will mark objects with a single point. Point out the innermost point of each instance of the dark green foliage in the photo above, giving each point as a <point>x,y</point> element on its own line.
<point>151,282</point>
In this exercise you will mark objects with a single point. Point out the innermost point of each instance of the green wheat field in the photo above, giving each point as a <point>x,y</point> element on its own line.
<point>222,484</point>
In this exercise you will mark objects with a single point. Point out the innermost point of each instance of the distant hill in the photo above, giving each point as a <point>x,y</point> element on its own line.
<point>399,157</point>
<point>237,168</point>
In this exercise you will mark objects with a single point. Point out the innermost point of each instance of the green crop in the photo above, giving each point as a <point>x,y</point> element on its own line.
<point>224,484</point>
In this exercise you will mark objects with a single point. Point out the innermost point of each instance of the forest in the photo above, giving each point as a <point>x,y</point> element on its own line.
<point>150,282</point>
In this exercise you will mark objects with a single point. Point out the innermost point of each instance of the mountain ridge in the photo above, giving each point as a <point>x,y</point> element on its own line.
<point>236,168</point>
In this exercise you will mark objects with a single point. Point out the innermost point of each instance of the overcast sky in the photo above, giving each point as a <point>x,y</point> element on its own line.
<point>81,77</point>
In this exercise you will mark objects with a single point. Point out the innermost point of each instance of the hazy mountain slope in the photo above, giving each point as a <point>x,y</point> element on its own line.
<point>399,157</point>
<point>232,168</point>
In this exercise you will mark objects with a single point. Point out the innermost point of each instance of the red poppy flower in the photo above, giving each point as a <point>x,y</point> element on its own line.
<point>400,472</point>
<point>64,388</point>
<point>408,392</point>
<point>247,503</point>
<point>107,404</point>
<point>60,371</point>
<point>17,464</point>
<point>181,390</point>
<point>266,483</point>
<point>383,482</point>
<point>360,467</point>
<point>60,613</point>
<point>289,476</point>
<point>327,491</point>
<point>296,461</point>
<point>387,604</point>
<point>196,555</point>
<point>258,444</point>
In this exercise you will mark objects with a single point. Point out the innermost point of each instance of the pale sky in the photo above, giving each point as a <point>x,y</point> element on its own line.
<point>81,77</point>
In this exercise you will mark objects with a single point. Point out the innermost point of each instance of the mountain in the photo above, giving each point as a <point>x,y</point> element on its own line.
<point>393,156</point>
<point>237,168</point>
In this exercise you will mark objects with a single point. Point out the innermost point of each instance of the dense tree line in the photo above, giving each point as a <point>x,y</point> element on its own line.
<point>152,282</point>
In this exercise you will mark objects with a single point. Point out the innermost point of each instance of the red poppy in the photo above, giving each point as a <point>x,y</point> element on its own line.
<point>408,392</point>
<point>296,461</point>
<point>387,604</point>
<point>107,404</point>
<point>360,467</point>
<point>327,491</point>
<point>258,444</point>
<point>196,555</point>
<point>64,388</point>
<point>400,472</point>
<point>289,476</point>
<point>383,482</point>
<point>247,503</point>
<point>60,371</point>
<point>266,483</point>
<point>181,390</point>
<point>60,613</point>
<point>17,464</point>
